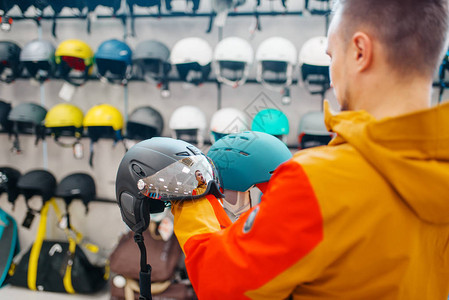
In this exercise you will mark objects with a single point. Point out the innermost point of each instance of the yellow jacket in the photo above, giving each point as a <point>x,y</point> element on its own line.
<point>366,217</point>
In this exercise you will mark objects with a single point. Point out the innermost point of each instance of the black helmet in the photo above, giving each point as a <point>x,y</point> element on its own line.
<point>58,6</point>
<point>143,123</point>
<point>10,66</point>
<point>141,3</point>
<point>37,183</point>
<point>8,183</point>
<point>161,169</point>
<point>93,4</point>
<point>77,186</point>
<point>5,124</point>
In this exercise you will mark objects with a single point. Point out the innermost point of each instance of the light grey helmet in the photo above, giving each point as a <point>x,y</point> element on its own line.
<point>143,123</point>
<point>313,123</point>
<point>151,59</point>
<point>312,130</point>
<point>29,113</point>
<point>27,118</point>
<point>38,57</point>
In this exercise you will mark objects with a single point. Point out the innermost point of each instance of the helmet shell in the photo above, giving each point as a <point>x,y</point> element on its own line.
<point>234,49</point>
<point>313,52</point>
<point>64,115</point>
<point>5,109</point>
<point>151,49</point>
<point>75,48</point>
<point>277,49</point>
<point>104,115</point>
<point>10,57</point>
<point>38,57</point>
<point>143,123</point>
<point>142,160</point>
<point>37,183</point>
<point>188,117</point>
<point>228,120</point>
<point>8,183</point>
<point>77,186</point>
<point>38,50</point>
<point>114,50</point>
<point>28,112</point>
<point>271,121</point>
<point>313,123</point>
<point>191,50</point>
<point>247,158</point>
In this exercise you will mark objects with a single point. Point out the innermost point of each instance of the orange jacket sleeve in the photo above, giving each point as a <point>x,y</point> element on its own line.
<point>229,263</point>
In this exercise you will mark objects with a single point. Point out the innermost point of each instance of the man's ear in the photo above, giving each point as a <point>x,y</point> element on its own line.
<point>362,45</point>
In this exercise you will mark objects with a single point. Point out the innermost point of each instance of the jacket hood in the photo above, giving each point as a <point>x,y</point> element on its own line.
<point>410,151</point>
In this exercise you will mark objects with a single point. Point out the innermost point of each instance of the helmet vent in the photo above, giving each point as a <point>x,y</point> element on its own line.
<point>138,170</point>
<point>244,153</point>
<point>184,153</point>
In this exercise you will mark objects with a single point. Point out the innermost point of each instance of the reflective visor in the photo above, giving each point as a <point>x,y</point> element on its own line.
<point>189,178</point>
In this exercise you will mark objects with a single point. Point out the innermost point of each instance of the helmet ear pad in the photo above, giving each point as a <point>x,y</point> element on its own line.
<point>136,209</point>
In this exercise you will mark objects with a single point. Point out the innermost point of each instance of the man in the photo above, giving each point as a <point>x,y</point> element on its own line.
<point>365,217</point>
<point>201,188</point>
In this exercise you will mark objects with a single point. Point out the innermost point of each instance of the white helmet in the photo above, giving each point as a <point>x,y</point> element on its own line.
<point>276,55</point>
<point>227,120</point>
<point>315,62</point>
<point>188,122</point>
<point>233,58</point>
<point>192,58</point>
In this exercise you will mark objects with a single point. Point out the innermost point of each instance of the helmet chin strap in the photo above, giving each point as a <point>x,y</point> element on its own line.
<point>145,269</point>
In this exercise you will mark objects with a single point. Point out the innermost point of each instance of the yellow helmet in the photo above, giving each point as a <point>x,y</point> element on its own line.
<point>104,115</point>
<point>75,48</point>
<point>64,115</point>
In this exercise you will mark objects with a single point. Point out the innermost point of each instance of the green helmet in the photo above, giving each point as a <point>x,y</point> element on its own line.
<point>272,121</point>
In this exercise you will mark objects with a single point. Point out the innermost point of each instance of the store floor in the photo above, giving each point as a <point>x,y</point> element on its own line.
<point>16,293</point>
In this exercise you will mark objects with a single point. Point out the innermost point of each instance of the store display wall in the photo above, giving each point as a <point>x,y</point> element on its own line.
<point>103,224</point>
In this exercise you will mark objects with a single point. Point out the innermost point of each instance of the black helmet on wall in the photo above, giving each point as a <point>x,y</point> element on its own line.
<point>8,183</point>
<point>10,65</point>
<point>77,186</point>
<point>37,183</point>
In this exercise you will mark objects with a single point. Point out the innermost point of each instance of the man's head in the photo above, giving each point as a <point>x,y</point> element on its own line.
<point>199,177</point>
<point>402,38</point>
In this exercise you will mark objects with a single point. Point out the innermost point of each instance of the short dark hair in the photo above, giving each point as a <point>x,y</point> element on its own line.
<point>414,31</point>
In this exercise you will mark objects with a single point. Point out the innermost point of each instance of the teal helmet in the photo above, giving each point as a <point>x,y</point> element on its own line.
<point>247,158</point>
<point>271,121</point>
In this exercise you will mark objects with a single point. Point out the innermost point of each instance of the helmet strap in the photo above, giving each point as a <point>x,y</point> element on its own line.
<point>16,144</point>
<point>145,269</point>
<point>91,155</point>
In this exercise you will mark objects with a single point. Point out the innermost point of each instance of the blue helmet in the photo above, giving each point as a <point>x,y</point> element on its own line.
<point>114,61</point>
<point>272,121</point>
<point>247,158</point>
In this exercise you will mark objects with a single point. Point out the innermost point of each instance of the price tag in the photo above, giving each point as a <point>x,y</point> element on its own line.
<point>28,219</point>
<point>67,91</point>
